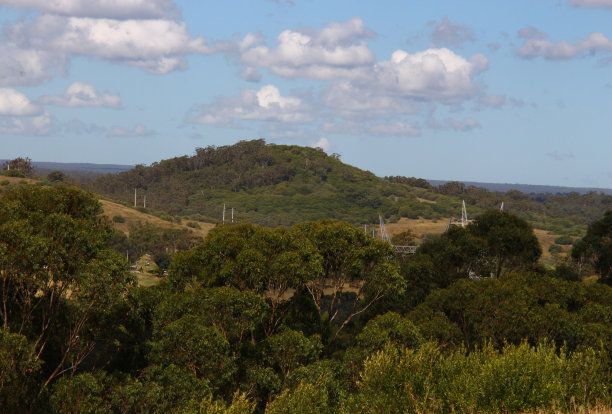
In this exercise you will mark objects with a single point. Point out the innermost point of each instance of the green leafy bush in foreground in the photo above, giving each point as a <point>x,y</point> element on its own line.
<point>519,378</point>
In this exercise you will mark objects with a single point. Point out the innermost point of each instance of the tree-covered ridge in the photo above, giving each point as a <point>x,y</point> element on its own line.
<point>286,184</point>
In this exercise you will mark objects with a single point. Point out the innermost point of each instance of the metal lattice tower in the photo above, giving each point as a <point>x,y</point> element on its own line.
<point>383,231</point>
<point>400,250</point>
<point>464,218</point>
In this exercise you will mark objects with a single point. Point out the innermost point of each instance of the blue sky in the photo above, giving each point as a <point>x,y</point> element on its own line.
<point>497,91</point>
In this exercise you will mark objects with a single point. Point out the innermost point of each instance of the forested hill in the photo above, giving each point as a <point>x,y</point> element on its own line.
<point>282,185</point>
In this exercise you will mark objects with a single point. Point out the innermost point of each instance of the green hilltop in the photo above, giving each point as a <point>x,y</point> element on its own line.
<point>274,185</point>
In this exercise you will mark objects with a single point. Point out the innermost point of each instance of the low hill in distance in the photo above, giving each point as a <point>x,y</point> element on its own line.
<point>286,184</point>
<point>529,188</point>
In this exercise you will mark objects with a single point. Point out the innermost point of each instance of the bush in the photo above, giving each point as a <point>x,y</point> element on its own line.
<point>118,219</point>
<point>564,240</point>
<point>555,249</point>
<point>56,176</point>
<point>14,173</point>
<point>193,225</point>
<point>519,379</point>
<point>4,182</point>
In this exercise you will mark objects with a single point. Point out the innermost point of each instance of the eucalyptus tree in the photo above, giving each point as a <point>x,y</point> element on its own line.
<point>58,276</point>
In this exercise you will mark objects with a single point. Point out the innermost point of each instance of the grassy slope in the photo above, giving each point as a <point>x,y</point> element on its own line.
<point>135,218</point>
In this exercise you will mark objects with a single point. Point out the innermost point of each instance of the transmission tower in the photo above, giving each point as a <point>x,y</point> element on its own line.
<point>400,250</point>
<point>383,231</point>
<point>464,218</point>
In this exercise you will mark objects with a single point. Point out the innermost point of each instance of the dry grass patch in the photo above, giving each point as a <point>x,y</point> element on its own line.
<point>136,218</point>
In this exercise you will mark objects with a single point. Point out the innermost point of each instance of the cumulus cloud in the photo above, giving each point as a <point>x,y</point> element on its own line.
<point>398,129</point>
<point>18,115</point>
<point>266,104</point>
<point>157,46</point>
<point>400,85</point>
<point>536,43</point>
<point>137,131</point>
<point>322,143</point>
<point>592,3</point>
<point>117,9</point>
<point>433,74</point>
<point>81,95</point>
<point>13,102</point>
<point>465,125</point>
<point>336,51</point>
<point>560,156</point>
<point>451,34</point>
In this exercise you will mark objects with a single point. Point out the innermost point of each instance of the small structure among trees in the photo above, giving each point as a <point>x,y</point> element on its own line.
<point>21,166</point>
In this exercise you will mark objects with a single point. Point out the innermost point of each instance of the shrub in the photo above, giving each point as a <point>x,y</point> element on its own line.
<point>193,225</point>
<point>564,240</point>
<point>118,219</point>
<point>4,182</point>
<point>555,248</point>
<point>14,173</point>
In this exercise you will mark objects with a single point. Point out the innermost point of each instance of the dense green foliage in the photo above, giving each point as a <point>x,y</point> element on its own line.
<point>314,318</point>
<point>596,247</point>
<point>284,185</point>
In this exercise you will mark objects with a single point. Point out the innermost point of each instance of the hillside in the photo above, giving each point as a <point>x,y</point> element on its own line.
<point>265,184</point>
<point>282,185</point>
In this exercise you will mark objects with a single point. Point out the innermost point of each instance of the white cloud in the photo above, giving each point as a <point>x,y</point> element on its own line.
<point>157,46</point>
<point>592,3</point>
<point>352,100</point>
<point>336,51</point>
<point>451,34</point>
<point>26,125</point>
<point>26,66</point>
<point>137,131</point>
<point>467,124</point>
<point>266,104</point>
<point>433,74</point>
<point>18,115</point>
<point>537,44</point>
<point>13,102</point>
<point>117,9</point>
<point>398,129</point>
<point>322,143</point>
<point>80,95</point>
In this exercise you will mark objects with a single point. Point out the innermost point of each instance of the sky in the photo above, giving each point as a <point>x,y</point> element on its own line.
<point>506,91</point>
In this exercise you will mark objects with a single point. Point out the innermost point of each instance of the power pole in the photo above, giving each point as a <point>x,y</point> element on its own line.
<point>134,197</point>
<point>232,215</point>
<point>144,203</point>
<point>223,213</point>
